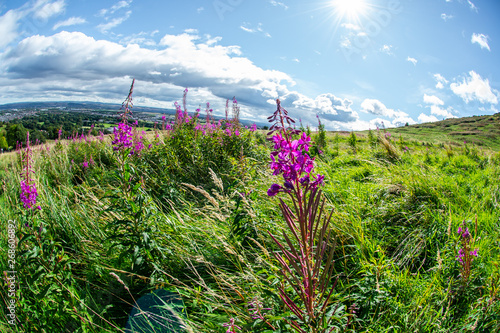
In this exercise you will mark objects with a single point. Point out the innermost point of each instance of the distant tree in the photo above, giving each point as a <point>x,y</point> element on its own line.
<point>3,143</point>
<point>352,140</point>
<point>372,139</point>
<point>37,136</point>
<point>16,133</point>
<point>321,137</point>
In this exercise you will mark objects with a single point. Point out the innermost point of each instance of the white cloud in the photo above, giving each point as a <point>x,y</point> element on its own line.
<point>446,17</point>
<point>423,118</point>
<point>278,3</point>
<point>376,107</point>
<point>69,22</point>
<point>445,113</point>
<point>436,106</point>
<point>387,49</point>
<point>44,10</point>
<point>117,6</point>
<point>74,66</point>
<point>491,110</point>
<point>200,9</point>
<point>8,27</point>
<point>441,81</point>
<point>472,6</point>
<point>412,60</point>
<point>181,61</point>
<point>434,100</point>
<point>141,38</point>
<point>245,27</point>
<point>334,110</point>
<point>474,88</point>
<point>480,39</point>
<point>105,27</point>
<point>350,26</point>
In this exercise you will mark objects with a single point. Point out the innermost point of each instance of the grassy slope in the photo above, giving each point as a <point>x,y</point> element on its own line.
<point>395,221</point>
<point>482,131</point>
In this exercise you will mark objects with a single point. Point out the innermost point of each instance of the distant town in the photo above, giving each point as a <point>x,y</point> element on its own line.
<point>54,120</point>
<point>9,112</point>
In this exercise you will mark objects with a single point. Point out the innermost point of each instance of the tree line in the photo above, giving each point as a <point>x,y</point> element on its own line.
<point>46,126</point>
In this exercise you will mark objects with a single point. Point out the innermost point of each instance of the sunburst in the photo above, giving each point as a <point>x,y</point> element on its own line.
<point>350,10</point>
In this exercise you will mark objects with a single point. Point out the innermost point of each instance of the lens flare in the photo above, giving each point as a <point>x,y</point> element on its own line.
<point>350,9</point>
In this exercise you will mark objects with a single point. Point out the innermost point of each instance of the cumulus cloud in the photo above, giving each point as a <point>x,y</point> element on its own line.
<point>423,118</point>
<point>412,60</point>
<point>481,40</point>
<point>180,61</point>
<point>376,107</point>
<point>432,100</point>
<point>74,66</point>
<point>436,107</point>
<point>475,88</point>
<point>445,113</point>
<point>327,106</point>
<point>69,22</point>
<point>399,118</point>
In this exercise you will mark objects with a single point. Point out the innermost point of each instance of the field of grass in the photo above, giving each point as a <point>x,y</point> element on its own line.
<point>190,214</point>
<point>483,131</point>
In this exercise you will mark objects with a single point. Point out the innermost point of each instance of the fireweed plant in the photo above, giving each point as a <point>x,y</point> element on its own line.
<point>123,134</point>
<point>306,259</point>
<point>465,253</point>
<point>41,262</point>
<point>131,231</point>
<point>28,189</point>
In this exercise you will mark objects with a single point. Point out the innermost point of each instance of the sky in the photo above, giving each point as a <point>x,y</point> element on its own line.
<point>355,64</point>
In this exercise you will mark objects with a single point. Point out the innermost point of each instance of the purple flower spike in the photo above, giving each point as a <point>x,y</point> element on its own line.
<point>231,326</point>
<point>28,194</point>
<point>273,190</point>
<point>465,253</point>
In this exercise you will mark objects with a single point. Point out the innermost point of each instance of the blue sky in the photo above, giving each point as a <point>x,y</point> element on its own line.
<point>355,63</point>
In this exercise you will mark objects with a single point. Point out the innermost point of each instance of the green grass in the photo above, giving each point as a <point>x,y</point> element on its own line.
<point>483,131</point>
<point>395,218</point>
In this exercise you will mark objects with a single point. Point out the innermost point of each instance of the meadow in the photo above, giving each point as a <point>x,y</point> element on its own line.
<point>408,233</point>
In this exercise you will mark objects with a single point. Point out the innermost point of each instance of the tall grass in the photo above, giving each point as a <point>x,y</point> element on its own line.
<point>204,235</point>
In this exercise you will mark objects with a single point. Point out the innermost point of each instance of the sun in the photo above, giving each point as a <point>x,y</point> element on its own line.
<point>350,9</point>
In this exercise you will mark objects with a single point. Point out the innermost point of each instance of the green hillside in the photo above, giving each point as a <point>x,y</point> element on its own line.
<point>483,131</point>
<point>194,211</point>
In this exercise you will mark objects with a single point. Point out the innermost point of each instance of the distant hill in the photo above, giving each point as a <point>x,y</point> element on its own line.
<point>478,130</point>
<point>80,105</point>
<point>96,106</point>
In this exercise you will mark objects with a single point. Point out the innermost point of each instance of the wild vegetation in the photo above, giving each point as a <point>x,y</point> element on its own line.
<point>482,131</point>
<point>375,233</point>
